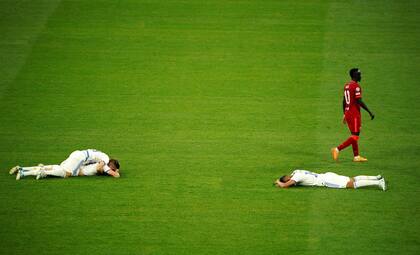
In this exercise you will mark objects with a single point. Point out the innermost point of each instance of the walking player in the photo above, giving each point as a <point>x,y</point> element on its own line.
<point>352,101</point>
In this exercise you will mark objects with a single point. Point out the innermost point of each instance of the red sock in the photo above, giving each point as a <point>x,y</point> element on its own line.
<point>346,143</point>
<point>355,145</point>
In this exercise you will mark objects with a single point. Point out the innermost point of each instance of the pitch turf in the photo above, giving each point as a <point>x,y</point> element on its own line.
<point>205,103</point>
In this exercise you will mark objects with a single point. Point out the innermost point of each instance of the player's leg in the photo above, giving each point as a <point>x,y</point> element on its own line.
<point>14,170</point>
<point>334,153</point>
<point>73,162</point>
<point>23,173</point>
<point>67,168</point>
<point>349,141</point>
<point>352,140</point>
<point>32,170</point>
<point>28,171</point>
<point>350,184</point>
<point>367,183</point>
<point>355,145</point>
<point>367,177</point>
<point>355,133</point>
<point>333,180</point>
<point>56,170</point>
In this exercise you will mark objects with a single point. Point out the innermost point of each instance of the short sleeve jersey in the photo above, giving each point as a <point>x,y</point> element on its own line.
<point>95,156</point>
<point>352,92</point>
<point>306,178</point>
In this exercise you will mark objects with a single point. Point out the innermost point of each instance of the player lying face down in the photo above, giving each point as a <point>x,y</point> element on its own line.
<point>329,179</point>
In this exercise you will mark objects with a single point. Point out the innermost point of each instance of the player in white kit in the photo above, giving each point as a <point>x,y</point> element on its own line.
<point>42,171</point>
<point>329,179</point>
<point>88,161</point>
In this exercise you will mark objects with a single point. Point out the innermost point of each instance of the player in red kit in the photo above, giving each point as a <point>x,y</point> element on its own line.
<point>352,101</point>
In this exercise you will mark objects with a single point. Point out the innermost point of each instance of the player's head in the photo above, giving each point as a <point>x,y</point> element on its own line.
<point>284,178</point>
<point>114,164</point>
<point>355,74</point>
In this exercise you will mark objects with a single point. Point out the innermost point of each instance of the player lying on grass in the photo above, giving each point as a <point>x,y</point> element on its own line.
<point>42,171</point>
<point>329,179</point>
<point>85,162</point>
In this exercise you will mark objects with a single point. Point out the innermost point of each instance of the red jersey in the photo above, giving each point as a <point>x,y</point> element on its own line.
<point>352,92</point>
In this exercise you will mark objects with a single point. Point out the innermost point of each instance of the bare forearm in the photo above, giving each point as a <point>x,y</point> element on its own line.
<point>100,166</point>
<point>285,184</point>
<point>115,174</point>
<point>365,107</point>
<point>282,185</point>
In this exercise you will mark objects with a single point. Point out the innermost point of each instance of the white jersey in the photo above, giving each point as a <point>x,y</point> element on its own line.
<point>82,158</point>
<point>329,179</point>
<point>307,178</point>
<point>95,156</point>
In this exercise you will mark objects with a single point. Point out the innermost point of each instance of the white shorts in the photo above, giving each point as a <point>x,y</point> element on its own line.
<point>333,180</point>
<point>73,163</point>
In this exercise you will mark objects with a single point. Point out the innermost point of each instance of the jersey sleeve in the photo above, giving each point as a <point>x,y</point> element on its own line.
<point>100,156</point>
<point>297,177</point>
<point>106,168</point>
<point>358,92</point>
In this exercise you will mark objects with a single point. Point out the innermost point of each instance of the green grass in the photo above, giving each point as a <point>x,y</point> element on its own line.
<point>205,103</point>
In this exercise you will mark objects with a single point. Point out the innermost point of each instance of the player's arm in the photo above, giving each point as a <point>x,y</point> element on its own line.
<point>103,168</point>
<point>364,106</point>
<point>289,183</point>
<point>100,167</point>
<point>113,173</point>
<point>100,156</point>
<point>344,110</point>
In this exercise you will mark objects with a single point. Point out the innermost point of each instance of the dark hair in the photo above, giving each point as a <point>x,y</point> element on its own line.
<point>353,71</point>
<point>282,178</point>
<point>114,163</point>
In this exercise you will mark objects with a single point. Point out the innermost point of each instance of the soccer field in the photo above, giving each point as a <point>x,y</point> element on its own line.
<point>205,103</point>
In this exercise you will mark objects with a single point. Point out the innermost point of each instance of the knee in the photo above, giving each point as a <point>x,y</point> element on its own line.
<point>350,184</point>
<point>355,137</point>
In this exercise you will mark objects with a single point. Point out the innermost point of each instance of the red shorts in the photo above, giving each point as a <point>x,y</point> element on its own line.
<point>354,122</point>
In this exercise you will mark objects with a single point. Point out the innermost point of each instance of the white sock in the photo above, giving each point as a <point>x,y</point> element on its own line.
<point>365,177</point>
<point>48,167</point>
<point>365,183</point>
<point>30,168</point>
<point>30,172</point>
<point>56,171</point>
